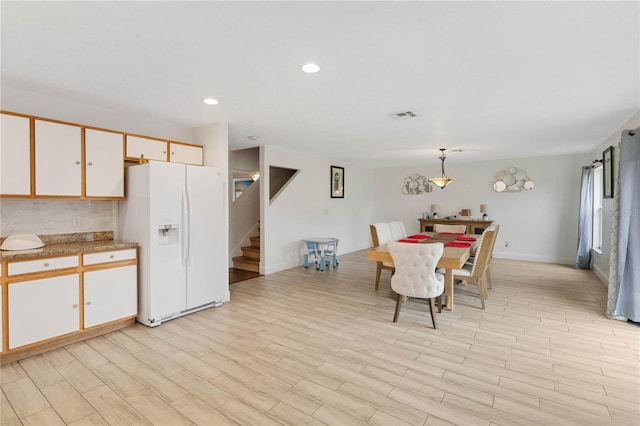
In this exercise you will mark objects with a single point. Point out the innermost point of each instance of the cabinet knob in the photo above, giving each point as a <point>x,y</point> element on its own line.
<point>46,264</point>
<point>173,153</point>
<point>90,163</point>
<point>88,303</point>
<point>164,152</point>
<point>111,256</point>
<point>75,305</point>
<point>77,162</point>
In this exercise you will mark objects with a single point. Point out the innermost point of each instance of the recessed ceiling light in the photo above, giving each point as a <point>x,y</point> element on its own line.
<point>210,101</point>
<point>310,68</point>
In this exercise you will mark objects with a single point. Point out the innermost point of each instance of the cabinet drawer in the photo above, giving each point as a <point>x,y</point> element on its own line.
<point>109,256</point>
<point>42,265</point>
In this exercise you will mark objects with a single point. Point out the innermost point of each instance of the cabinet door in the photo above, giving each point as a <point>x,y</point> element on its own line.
<point>187,154</point>
<point>110,294</point>
<point>104,172</point>
<point>152,149</point>
<point>44,308</point>
<point>58,159</point>
<point>15,155</point>
<point>1,316</point>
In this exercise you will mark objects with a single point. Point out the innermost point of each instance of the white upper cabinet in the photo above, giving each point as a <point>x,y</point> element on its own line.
<point>15,155</point>
<point>58,153</point>
<point>183,153</point>
<point>152,149</point>
<point>104,164</point>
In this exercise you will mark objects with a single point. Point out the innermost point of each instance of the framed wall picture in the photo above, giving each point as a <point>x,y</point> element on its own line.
<point>337,182</point>
<point>607,172</point>
<point>239,186</point>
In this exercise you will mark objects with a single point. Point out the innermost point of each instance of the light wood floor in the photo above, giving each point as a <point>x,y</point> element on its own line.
<point>305,347</point>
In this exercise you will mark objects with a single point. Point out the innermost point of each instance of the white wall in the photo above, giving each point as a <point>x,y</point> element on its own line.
<point>214,137</point>
<point>540,224</point>
<point>305,209</point>
<point>32,103</point>
<point>600,261</point>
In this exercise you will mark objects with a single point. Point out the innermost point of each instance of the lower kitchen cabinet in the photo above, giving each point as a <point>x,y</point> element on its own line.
<point>43,308</point>
<point>54,301</point>
<point>109,294</point>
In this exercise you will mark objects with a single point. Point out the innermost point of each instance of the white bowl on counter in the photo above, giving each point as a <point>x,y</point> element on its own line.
<point>21,242</point>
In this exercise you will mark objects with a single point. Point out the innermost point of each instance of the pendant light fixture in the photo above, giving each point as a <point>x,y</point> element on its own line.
<point>443,181</point>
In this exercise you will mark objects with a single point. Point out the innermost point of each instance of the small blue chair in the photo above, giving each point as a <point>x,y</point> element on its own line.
<point>313,254</point>
<point>330,252</point>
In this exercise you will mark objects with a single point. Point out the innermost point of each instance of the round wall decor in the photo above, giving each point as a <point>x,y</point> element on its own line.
<point>512,180</point>
<point>415,185</point>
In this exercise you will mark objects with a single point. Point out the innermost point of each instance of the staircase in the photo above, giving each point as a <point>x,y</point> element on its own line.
<point>250,259</point>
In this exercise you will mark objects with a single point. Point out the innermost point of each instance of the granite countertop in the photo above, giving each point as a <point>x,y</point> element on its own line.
<point>69,244</point>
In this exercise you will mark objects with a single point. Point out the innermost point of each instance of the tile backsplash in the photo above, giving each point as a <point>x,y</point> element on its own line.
<point>56,216</point>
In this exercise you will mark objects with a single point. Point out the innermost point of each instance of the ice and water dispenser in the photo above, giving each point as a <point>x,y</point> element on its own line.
<point>168,233</point>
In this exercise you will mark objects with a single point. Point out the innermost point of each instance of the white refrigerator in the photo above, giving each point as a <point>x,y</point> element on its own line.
<point>177,214</point>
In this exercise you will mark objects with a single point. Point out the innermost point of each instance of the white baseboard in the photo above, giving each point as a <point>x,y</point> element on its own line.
<point>604,277</point>
<point>532,258</point>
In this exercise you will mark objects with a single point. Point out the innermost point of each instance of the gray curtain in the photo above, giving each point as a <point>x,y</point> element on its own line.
<point>624,274</point>
<point>585,220</point>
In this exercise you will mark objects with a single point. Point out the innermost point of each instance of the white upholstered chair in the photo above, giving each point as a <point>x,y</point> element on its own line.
<point>415,274</point>
<point>439,227</point>
<point>398,230</point>
<point>381,234</point>
<point>476,271</point>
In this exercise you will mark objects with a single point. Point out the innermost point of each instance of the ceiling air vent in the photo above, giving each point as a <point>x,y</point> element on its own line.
<point>403,115</point>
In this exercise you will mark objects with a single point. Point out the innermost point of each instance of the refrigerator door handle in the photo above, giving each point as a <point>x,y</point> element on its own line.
<point>185,227</point>
<point>188,229</point>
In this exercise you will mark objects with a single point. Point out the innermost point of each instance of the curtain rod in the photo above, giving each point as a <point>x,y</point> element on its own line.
<point>593,163</point>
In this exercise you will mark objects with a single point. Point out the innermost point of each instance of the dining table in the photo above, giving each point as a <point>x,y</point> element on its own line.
<point>453,257</point>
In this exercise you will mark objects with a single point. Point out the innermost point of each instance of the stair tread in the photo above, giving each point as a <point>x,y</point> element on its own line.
<point>250,259</point>
<point>246,260</point>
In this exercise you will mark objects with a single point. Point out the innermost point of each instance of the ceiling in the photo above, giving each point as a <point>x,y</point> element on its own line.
<point>494,79</point>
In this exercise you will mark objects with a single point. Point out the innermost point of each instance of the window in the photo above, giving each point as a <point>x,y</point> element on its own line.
<point>597,209</point>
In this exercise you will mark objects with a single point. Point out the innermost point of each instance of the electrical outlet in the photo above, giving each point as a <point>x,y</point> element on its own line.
<point>506,243</point>
<point>76,221</point>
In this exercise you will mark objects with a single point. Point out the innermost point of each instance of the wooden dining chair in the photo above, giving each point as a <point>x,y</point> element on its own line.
<point>381,234</point>
<point>439,227</point>
<point>495,227</point>
<point>415,274</point>
<point>476,271</point>
<point>493,243</point>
